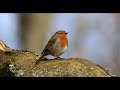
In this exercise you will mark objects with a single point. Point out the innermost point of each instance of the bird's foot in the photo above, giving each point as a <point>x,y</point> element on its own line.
<point>58,58</point>
<point>44,59</point>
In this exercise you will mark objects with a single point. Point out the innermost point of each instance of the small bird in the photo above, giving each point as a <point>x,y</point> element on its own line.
<point>56,46</point>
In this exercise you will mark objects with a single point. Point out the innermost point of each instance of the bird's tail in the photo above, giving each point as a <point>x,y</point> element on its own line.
<point>39,59</point>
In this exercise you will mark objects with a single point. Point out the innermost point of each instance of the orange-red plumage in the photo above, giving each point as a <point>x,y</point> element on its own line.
<point>64,40</point>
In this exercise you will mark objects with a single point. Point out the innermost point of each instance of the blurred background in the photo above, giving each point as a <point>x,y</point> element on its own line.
<point>93,36</point>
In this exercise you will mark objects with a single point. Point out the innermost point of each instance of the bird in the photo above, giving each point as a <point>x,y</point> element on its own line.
<point>56,45</point>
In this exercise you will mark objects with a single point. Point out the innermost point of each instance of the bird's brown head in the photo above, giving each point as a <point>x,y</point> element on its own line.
<point>62,33</point>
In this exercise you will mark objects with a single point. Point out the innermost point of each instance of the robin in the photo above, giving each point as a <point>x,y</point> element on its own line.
<point>56,46</point>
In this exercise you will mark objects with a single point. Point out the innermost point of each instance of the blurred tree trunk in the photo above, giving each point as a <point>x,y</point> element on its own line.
<point>34,29</point>
<point>116,49</point>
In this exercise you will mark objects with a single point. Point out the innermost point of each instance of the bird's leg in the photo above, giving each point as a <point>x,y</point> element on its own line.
<point>59,58</point>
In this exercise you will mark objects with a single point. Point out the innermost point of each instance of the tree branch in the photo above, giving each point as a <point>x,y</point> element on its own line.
<point>21,63</point>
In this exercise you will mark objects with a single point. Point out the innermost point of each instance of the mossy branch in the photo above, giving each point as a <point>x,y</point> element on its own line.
<point>21,63</point>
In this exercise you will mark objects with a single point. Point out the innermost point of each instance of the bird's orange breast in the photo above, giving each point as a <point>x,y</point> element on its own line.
<point>63,40</point>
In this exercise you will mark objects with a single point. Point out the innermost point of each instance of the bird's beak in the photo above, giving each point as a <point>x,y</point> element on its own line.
<point>66,32</point>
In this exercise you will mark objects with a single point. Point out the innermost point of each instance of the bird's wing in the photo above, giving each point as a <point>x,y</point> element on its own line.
<point>49,44</point>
